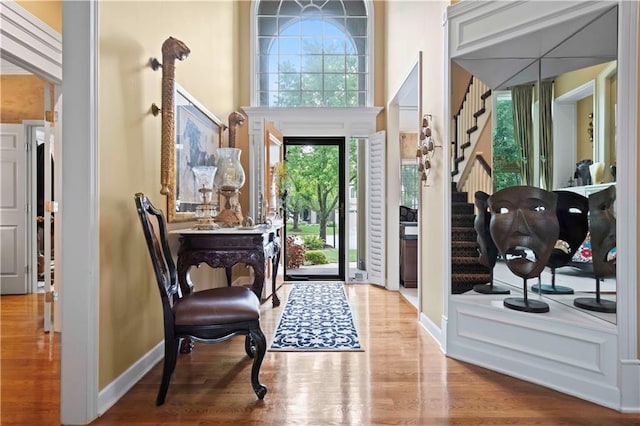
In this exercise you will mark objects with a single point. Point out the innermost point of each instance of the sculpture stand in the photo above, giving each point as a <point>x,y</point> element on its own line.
<point>231,215</point>
<point>524,304</point>
<point>490,288</point>
<point>596,303</point>
<point>553,288</point>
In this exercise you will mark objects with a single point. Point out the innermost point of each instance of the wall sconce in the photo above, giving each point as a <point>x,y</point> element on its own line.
<point>426,148</point>
<point>590,127</point>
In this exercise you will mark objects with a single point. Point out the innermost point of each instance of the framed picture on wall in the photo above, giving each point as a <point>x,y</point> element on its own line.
<point>198,135</point>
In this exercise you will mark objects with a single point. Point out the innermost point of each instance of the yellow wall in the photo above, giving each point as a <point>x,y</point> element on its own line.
<point>571,80</point>
<point>414,27</point>
<point>21,98</point>
<point>408,144</point>
<point>584,107</point>
<point>49,11</point>
<point>130,318</point>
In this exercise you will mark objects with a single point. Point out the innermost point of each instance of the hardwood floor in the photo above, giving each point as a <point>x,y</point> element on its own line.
<point>400,378</point>
<point>29,364</point>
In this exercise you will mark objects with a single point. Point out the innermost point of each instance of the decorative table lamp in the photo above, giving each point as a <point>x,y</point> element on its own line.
<point>228,180</point>
<point>206,211</point>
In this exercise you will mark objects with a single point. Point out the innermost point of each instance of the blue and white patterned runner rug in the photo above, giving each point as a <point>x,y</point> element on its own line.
<point>316,317</point>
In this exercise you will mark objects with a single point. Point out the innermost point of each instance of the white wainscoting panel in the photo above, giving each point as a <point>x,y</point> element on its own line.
<point>573,354</point>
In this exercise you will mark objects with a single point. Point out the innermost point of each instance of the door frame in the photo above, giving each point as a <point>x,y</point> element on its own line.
<point>340,143</point>
<point>349,123</point>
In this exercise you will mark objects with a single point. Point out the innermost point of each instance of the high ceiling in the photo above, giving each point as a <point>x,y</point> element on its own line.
<point>588,40</point>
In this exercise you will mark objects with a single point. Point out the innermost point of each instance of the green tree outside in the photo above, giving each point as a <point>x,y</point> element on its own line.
<point>507,156</point>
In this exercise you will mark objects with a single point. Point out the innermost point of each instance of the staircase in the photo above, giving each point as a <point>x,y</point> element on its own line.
<point>466,270</point>
<point>470,118</point>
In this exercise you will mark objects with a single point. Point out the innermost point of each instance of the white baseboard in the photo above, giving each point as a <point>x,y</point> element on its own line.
<point>121,385</point>
<point>432,329</point>
<point>630,386</point>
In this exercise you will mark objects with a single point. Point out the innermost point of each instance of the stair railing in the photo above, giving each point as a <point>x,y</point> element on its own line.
<point>465,121</point>
<point>478,178</point>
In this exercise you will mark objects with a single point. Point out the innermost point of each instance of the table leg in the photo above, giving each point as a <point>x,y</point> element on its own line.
<point>227,271</point>
<point>274,275</point>
<point>184,279</point>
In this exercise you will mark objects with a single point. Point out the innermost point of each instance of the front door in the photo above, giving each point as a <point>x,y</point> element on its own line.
<point>13,209</point>
<point>315,208</point>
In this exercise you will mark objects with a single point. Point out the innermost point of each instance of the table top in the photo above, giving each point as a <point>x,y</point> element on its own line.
<point>252,230</point>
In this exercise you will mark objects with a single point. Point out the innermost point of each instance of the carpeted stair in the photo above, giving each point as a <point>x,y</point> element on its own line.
<point>466,270</point>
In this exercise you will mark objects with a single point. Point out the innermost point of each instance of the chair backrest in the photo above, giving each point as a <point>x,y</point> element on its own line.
<point>159,251</point>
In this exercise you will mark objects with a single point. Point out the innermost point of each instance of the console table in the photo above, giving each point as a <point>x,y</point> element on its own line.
<point>224,247</point>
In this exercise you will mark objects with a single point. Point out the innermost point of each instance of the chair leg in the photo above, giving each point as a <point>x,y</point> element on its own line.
<point>249,346</point>
<point>170,358</point>
<point>260,347</point>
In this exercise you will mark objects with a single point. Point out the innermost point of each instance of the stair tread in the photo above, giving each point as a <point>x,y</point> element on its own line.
<point>464,243</point>
<point>466,259</point>
<point>467,277</point>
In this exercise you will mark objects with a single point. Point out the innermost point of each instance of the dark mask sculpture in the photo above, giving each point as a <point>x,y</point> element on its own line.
<point>524,227</point>
<point>572,210</point>
<point>603,241</point>
<point>488,251</point>
<point>603,231</point>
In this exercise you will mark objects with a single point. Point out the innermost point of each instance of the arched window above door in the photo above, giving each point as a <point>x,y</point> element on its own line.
<point>312,53</point>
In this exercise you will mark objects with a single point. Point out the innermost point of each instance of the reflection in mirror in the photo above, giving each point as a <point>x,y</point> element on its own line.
<point>198,134</point>
<point>270,195</point>
<point>552,110</point>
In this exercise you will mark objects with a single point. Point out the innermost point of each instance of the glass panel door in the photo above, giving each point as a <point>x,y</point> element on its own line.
<point>315,209</point>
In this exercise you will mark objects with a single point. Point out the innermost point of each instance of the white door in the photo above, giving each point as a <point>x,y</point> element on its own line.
<point>13,210</point>
<point>376,205</point>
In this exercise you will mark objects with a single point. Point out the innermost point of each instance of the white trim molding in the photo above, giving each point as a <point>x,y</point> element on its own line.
<point>627,210</point>
<point>115,390</point>
<point>29,43</point>
<point>346,122</point>
<point>431,328</point>
<point>79,216</point>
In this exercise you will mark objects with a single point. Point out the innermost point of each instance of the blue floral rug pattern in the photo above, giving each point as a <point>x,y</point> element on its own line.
<point>316,317</point>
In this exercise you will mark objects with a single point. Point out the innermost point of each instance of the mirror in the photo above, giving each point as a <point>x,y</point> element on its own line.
<point>273,155</point>
<point>198,136</point>
<point>577,61</point>
<point>190,136</point>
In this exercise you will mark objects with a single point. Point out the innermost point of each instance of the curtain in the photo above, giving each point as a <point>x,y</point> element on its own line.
<point>546,135</point>
<point>522,100</point>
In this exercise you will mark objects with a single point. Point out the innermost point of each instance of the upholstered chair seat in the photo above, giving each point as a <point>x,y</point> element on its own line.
<point>224,305</point>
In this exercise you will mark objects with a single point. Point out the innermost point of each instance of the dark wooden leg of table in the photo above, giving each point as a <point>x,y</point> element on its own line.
<point>186,286</point>
<point>227,271</point>
<point>274,275</point>
<point>257,263</point>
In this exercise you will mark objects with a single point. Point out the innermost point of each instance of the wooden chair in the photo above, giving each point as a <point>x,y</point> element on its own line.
<point>212,315</point>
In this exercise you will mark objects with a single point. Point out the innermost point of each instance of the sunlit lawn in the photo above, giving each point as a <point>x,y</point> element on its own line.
<point>314,229</point>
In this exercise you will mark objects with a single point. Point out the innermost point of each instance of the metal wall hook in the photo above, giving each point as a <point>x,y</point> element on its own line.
<point>155,109</point>
<point>155,64</point>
